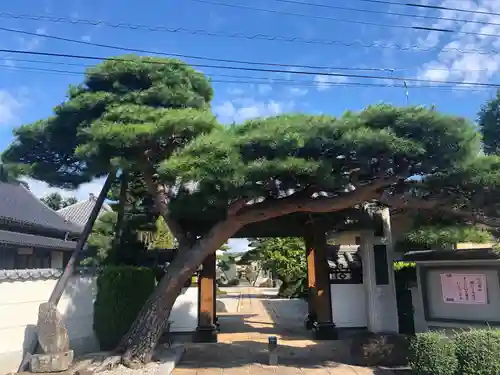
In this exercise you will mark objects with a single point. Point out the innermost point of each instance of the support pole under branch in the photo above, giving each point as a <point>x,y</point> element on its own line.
<point>58,290</point>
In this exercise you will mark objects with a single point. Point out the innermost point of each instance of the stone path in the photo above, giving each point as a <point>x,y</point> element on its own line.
<point>242,346</point>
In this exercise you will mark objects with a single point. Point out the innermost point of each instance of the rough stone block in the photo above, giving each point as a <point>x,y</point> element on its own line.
<point>52,330</point>
<point>54,362</point>
<point>380,349</point>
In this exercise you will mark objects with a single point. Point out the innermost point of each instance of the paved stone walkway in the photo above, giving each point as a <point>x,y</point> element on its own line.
<point>242,346</point>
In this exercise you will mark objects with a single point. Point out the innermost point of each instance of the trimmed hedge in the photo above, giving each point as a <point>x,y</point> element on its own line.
<point>432,353</point>
<point>472,352</point>
<point>478,352</point>
<point>121,293</point>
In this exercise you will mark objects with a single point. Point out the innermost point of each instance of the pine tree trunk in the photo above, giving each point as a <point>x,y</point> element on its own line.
<point>138,345</point>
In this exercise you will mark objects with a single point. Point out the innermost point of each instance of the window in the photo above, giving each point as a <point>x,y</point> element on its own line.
<point>7,257</point>
<point>37,259</point>
<point>381,265</point>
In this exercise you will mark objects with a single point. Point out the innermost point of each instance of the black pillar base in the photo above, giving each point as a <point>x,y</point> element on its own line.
<point>206,334</point>
<point>310,321</point>
<point>325,331</point>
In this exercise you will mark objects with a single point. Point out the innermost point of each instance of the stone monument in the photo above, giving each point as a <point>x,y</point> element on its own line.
<point>53,341</point>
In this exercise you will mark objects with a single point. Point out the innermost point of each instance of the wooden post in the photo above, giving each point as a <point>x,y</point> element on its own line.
<point>311,281</point>
<point>319,284</point>
<point>206,330</point>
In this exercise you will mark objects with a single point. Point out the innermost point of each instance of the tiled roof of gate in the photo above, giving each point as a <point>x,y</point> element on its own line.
<point>30,240</point>
<point>343,257</point>
<point>79,212</point>
<point>19,205</point>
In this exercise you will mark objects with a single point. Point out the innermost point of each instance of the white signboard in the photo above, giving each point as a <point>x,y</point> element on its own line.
<point>464,288</point>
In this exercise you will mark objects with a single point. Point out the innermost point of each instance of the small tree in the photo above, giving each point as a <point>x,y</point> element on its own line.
<point>285,258</point>
<point>489,124</point>
<point>56,201</point>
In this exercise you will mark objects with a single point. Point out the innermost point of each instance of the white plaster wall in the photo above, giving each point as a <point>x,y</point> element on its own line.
<point>184,315</point>
<point>19,301</point>
<point>418,311</point>
<point>349,305</point>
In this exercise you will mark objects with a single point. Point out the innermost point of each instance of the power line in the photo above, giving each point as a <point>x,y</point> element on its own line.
<point>271,81</point>
<point>195,57</point>
<point>239,35</point>
<point>251,69</point>
<point>435,7</point>
<point>366,23</point>
<point>421,16</point>
<point>331,68</point>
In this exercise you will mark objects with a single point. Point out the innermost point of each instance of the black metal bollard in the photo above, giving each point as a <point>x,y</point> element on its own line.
<point>272,346</point>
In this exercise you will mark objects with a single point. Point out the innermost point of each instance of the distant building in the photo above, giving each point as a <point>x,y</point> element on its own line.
<point>79,212</point>
<point>32,235</point>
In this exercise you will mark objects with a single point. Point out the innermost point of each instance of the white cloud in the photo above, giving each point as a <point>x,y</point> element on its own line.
<point>31,44</point>
<point>9,106</point>
<point>8,62</point>
<point>238,245</point>
<point>451,63</point>
<point>239,110</point>
<point>235,91</point>
<point>265,89</point>
<point>297,91</point>
<point>41,189</point>
<point>324,82</point>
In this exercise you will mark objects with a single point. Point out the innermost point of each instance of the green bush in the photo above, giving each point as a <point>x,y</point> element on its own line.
<point>121,293</point>
<point>478,352</point>
<point>433,353</point>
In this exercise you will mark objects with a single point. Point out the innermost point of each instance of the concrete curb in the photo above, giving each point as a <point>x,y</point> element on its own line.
<point>169,358</point>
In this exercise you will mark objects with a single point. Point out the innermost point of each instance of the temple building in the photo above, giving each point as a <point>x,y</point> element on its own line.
<point>79,212</point>
<point>32,235</point>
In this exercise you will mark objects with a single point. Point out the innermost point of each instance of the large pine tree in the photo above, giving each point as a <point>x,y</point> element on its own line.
<point>152,116</point>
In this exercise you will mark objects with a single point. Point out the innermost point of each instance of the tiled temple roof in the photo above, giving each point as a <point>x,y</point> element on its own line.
<point>30,240</point>
<point>79,212</point>
<point>19,205</point>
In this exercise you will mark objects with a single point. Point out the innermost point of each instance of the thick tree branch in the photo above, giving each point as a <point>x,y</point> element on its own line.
<point>236,206</point>
<point>300,203</point>
<point>439,205</point>
<point>161,199</point>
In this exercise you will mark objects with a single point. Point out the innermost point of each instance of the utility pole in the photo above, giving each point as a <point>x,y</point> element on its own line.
<point>406,93</point>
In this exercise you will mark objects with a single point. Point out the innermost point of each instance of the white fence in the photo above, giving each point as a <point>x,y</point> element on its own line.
<point>22,291</point>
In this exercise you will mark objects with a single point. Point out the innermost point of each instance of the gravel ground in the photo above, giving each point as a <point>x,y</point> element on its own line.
<point>150,369</point>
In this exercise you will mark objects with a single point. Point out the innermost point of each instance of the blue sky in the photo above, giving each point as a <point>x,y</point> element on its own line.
<point>26,96</point>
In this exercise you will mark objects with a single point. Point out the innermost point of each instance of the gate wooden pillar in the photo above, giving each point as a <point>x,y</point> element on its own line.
<point>207,330</point>
<point>318,281</point>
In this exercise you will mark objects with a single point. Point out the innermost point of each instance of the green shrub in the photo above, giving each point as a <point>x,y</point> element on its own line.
<point>478,352</point>
<point>432,353</point>
<point>121,293</point>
